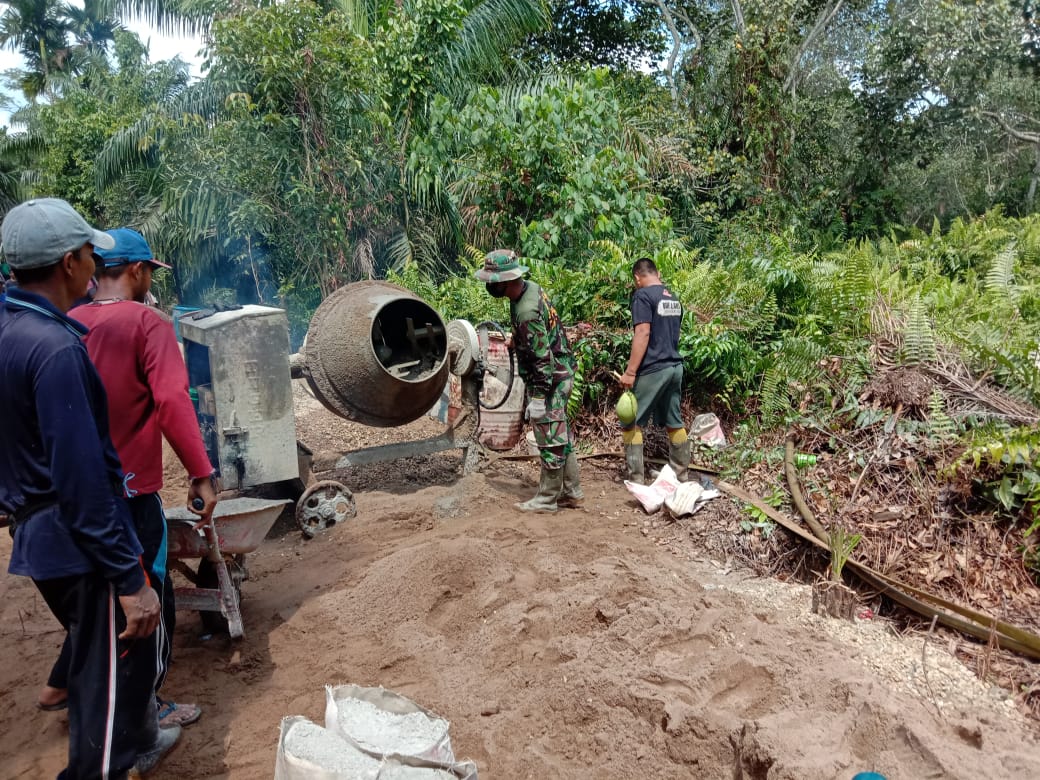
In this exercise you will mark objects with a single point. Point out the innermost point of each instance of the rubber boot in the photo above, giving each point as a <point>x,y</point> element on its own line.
<point>679,459</point>
<point>572,496</point>
<point>550,485</point>
<point>634,461</point>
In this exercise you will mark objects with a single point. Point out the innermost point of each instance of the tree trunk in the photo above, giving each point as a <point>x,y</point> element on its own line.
<point>1031,192</point>
<point>835,599</point>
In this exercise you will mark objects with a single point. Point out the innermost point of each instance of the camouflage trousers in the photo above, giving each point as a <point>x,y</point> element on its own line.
<point>553,433</point>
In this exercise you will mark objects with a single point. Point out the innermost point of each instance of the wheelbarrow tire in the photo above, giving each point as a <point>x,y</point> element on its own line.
<point>214,622</point>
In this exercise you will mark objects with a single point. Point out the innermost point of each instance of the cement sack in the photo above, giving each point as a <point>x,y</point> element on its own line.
<point>306,751</point>
<point>708,429</point>
<point>688,498</point>
<point>404,768</point>
<point>383,723</point>
<point>652,496</point>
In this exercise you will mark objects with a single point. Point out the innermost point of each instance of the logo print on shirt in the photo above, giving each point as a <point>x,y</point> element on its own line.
<point>669,308</point>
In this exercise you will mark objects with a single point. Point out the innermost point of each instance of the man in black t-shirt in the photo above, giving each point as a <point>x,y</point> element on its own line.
<point>655,371</point>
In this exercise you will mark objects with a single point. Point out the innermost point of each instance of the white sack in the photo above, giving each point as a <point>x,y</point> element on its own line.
<point>306,751</point>
<point>384,723</point>
<point>652,496</point>
<point>688,498</point>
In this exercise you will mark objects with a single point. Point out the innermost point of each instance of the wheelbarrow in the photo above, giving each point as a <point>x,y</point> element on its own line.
<point>239,526</point>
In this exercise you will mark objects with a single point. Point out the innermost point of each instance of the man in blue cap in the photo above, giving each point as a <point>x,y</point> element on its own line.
<point>60,483</point>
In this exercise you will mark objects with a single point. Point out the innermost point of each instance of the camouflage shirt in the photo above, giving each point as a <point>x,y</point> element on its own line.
<point>543,355</point>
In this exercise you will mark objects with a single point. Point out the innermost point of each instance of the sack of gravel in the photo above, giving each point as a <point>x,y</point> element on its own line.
<point>386,724</point>
<point>307,751</point>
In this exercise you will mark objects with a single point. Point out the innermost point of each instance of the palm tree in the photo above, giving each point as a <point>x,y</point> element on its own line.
<point>16,154</point>
<point>93,25</point>
<point>172,16</point>
<point>38,30</point>
<point>56,39</point>
<point>425,225</point>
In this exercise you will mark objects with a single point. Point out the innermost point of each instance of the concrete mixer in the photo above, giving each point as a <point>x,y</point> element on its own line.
<point>374,353</point>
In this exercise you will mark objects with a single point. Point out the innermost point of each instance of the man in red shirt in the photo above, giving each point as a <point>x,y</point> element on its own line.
<point>135,351</point>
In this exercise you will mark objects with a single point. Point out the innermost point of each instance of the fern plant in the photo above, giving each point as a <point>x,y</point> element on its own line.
<point>795,363</point>
<point>1000,278</point>
<point>940,425</point>
<point>918,337</point>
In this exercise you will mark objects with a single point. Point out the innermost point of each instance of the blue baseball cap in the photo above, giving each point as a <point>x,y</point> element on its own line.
<point>130,247</point>
<point>39,232</point>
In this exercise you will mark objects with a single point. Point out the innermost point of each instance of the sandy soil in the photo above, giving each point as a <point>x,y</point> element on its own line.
<point>586,644</point>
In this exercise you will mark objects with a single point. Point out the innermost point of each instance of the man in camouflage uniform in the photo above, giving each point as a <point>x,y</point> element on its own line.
<point>547,368</point>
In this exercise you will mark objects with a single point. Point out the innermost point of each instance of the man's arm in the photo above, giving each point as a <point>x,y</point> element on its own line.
<point>640,341</point>
<point>168,381</point>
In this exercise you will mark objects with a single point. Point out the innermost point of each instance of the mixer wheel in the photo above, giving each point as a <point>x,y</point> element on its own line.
<point>323,505</point>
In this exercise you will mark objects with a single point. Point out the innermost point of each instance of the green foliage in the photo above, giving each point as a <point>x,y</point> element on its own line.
<point>985,307</point>
<point>583,358</point>
<point>941,425</point>
<point>68,133</point>
<point>918,339</point>
<point>1007,473</point>
<point>546,170</point>
<point>610,33</point>
<point>1000,278</point>
<point>411,37</point>
<point>759,520</point>
<point>335,141</point>
<point>842,544</point>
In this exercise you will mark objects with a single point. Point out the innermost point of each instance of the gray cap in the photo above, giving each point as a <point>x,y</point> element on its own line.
<point>39,232</point>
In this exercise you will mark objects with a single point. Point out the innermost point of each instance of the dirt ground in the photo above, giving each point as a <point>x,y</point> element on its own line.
<point>588,644</point>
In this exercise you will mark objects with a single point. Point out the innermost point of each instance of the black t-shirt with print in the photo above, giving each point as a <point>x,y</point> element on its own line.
<point>658,306</point>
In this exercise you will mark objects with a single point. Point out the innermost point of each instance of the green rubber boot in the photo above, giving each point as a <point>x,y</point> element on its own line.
<point>634,461</point>
<point>550,485</point>
<point>572,496</point>
<point>679,459</point>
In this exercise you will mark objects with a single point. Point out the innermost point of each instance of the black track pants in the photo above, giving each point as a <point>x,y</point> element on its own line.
<point>150,524</point>
<point>110,681</point>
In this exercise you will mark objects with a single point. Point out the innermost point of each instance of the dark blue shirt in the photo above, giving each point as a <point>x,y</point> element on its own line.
<point>55,451</point>
<point>659,307</point>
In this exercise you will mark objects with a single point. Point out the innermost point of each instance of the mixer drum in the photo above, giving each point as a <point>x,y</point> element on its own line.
<point>377,354</point>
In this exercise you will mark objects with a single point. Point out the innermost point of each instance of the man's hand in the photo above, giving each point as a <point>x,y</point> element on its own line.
<point>536,409</point>
<point>202,490</point>
<point>627,379</point>
<point>142,612</point>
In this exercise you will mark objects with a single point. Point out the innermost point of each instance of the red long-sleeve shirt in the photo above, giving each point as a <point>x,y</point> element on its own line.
<point>135,351</point>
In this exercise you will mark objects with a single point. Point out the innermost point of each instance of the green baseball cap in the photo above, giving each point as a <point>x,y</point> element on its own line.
<point>501,265</point>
